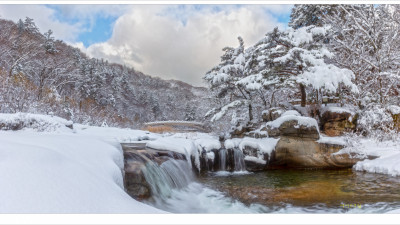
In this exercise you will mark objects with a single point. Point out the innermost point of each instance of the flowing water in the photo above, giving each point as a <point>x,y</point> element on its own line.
<point>176,189</point>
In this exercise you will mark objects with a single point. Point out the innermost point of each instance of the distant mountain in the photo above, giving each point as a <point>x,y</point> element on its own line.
<point>43,75</point>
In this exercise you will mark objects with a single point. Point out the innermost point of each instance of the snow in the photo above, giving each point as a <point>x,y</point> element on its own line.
<point>62,173</point>
<point>115,134</point>
<point>225,109</point>
<point>232,143</point>
<point>208,144</point>
<point>264,145</point>
<point>255,159</point>
<point>301,120</point>
<point>211,155</point>
<point>388,153</point>
<point>335,110</point>
<point>327,77</point>
<point>35,122</point>
<point>291,113</point>
<point>394,109</point>
<point>339,140</point>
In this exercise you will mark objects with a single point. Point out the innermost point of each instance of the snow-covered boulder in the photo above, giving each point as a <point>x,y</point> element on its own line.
<point>293,125</point>
<point>335,120</point>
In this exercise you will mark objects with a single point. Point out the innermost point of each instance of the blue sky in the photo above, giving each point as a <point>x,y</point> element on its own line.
<point>170,41</point>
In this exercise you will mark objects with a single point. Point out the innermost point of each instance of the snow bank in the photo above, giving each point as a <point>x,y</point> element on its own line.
<point>388,153</point>
<point>62,173</point>
<point>37,122</point>
<point>115,134</point>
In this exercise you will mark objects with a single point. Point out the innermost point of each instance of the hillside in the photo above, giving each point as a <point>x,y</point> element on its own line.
<point>44,75</point>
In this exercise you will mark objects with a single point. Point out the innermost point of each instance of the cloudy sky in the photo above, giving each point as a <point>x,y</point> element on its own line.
<point>170,41</point>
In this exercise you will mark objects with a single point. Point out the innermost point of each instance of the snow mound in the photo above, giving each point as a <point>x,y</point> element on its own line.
<point>62,173</point>
<point>301,120</point>
<point>36,122</point>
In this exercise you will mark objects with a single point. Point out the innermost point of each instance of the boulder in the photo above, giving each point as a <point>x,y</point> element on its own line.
<point>292,152</point>
<point>335,121</point>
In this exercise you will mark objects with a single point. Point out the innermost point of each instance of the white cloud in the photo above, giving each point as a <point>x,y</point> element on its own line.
<point>154,40</point>
<point>44,19</point>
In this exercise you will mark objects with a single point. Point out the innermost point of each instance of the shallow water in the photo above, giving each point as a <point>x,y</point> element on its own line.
<point>310,191</point>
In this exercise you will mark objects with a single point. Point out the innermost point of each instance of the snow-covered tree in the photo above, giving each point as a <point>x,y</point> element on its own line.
<point>225,78</point>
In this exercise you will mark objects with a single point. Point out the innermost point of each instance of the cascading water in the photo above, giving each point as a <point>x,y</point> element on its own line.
<point>222,159</point>
<point>174,189</point>
<point>166,177</point>
<point>239,160</point>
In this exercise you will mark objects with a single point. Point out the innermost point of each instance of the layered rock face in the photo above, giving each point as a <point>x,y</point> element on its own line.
<point>337,122</point>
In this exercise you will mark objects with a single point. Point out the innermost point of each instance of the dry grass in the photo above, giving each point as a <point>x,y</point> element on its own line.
<point>159,129</point>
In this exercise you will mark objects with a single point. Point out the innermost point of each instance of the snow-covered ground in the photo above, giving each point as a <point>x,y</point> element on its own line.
<point>65,170</point>
<point>388,153</point>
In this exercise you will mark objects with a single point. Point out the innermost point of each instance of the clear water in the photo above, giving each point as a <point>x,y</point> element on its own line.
<point>177,190</point>
<point>311,191</point>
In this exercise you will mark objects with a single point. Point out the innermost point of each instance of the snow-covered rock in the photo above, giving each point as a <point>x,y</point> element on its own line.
<point>336,120</point>
<point>293,125</point>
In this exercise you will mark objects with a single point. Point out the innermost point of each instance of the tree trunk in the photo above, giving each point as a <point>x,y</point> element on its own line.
<point>250,112</point>
<point>303,95</point>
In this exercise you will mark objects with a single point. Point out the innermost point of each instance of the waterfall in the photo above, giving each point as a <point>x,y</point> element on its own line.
<point>172,174</point>
<point>239,160</point>
<point>222,159</point>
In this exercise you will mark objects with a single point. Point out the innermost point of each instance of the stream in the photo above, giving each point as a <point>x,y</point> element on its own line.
<point>177,189</point>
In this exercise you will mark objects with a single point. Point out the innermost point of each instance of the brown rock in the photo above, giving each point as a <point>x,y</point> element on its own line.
<point>335,123</point>
<point>295,152</point>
